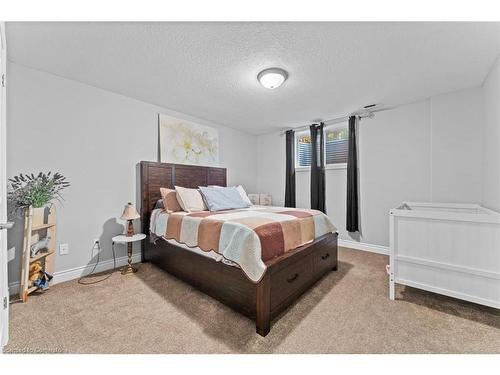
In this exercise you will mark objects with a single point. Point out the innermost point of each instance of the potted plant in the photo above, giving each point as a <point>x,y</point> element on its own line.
<point>37,191</point>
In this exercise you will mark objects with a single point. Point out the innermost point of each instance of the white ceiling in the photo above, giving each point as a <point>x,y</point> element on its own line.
<point>208,70</point>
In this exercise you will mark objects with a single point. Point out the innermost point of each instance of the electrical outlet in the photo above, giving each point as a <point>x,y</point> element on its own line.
<point>96,247</point>
<point>63,249</point>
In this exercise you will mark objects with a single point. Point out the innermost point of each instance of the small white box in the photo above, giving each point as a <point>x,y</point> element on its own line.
<point>254,198</point>
<point>265,199</point>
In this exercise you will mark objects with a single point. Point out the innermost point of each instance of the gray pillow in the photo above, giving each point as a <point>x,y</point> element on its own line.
<point>159,204</point>
<point>222,198</point>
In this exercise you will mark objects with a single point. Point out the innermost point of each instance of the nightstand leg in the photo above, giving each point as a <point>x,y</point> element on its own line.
<point>128,269</point>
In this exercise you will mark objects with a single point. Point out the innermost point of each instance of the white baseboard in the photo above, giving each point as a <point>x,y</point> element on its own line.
<point>364,246</point>
<point>14,288</point>
<point>76,273</point>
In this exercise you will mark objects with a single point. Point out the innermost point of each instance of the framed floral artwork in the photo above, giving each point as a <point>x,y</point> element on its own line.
<point>186,142</point>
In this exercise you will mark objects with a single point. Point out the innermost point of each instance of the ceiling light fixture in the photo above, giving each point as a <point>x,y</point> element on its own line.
<point>272,78</point>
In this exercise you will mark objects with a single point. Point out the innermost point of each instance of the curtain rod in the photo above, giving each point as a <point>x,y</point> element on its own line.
<point>370,114</point>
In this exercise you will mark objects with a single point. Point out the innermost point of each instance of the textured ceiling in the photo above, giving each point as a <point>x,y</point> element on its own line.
<point>208,70</point>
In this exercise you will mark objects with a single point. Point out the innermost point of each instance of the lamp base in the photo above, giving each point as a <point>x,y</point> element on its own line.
<point>128,270</point>
<point>130,228</point>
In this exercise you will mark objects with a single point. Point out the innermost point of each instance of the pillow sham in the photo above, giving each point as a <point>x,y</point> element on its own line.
<point>170,202</point>
<point>222,198</point>
<point>240,189</point>
<point>190,199</point>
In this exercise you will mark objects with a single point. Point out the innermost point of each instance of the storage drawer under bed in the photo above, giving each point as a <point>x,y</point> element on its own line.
<point>324,260</point>
<point>291,281</point>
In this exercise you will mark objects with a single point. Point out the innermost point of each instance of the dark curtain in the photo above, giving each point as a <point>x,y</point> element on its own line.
<point>317,167</point>
<point>352,179</point>
<point>290,169</point>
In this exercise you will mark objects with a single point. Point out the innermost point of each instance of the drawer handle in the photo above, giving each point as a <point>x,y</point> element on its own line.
<point>325,256</point>
<point>293,278</point>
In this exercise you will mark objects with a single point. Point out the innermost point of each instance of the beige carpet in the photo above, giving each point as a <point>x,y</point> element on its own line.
<point>347,312</point>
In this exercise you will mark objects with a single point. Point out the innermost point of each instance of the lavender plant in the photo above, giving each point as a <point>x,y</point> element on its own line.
<point>37,191</point>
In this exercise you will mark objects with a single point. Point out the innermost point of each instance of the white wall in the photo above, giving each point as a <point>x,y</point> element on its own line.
<point>491,141</point>
<point>95,138</point>
<point>414,152</point>
<point>457,133</point>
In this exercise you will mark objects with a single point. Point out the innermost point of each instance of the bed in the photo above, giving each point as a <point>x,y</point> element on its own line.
<point>260,297</point>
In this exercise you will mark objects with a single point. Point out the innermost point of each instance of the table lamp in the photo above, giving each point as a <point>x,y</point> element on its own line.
<point>130,214</point>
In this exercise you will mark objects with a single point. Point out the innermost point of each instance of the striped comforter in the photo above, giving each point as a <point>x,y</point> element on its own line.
<point>248,237</point>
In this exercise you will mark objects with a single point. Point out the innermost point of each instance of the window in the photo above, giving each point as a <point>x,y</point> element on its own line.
<point>303,149</point>
<point>336,146</point>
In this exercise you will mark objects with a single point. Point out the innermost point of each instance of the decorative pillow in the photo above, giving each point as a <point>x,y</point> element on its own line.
<point>223,198</point>
<point>170,202</point>
<point>190,199</point>
<point>159,204</point>
<point>242,192</point>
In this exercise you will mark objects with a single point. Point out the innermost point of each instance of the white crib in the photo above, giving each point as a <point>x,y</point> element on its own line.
<point>451,249</point>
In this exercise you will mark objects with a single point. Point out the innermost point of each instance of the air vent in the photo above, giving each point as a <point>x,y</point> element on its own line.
<point>374,107</point>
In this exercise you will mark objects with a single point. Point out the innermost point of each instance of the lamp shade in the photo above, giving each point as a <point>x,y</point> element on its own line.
<point>130,213</point>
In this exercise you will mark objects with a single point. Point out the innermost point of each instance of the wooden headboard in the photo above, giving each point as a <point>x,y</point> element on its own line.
<point>155,175</point>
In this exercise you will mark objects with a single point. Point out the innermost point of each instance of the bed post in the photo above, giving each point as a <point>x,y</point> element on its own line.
<point>142,171</point>
<point>336,238</point>
<point>263,306</point>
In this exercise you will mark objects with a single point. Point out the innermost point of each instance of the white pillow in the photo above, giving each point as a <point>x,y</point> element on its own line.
<point>244,195</point>
<point>190,199</point>
<point>242,192</point>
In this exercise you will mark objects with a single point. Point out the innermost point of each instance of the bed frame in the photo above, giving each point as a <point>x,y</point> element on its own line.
<point>287,276</point>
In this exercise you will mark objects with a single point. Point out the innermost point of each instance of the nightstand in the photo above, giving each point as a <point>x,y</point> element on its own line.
<point>129,240</point>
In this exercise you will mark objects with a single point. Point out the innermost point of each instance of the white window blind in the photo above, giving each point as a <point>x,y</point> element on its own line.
<point>336,145</point>
<point>303,150</point>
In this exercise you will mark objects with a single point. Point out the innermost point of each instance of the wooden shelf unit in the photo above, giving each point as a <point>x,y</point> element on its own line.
<point>41,254</point>
<point>42,226</point>
<point>38,224</point>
